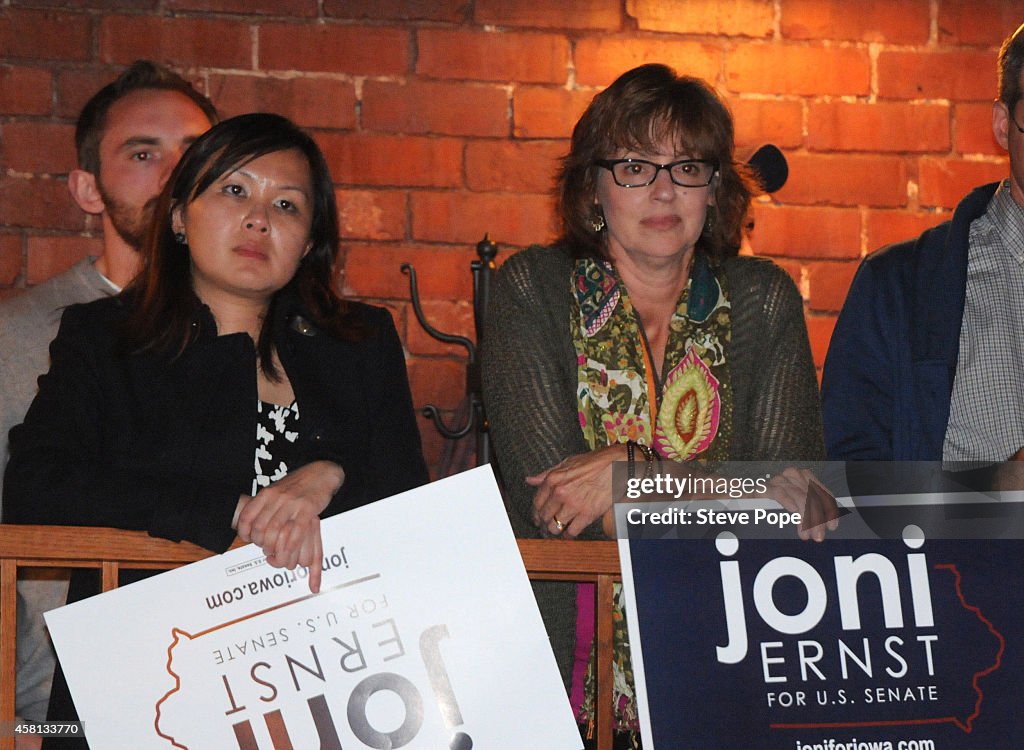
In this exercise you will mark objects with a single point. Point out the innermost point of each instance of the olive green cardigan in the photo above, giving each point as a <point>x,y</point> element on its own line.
<point>530,383</point>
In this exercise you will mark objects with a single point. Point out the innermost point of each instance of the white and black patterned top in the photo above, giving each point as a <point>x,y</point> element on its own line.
<point>986,411</point>
<point>276,434</point>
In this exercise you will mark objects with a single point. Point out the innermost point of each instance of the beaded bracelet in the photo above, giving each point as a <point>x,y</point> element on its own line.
<point>648,460</point>
<point>631,446</point>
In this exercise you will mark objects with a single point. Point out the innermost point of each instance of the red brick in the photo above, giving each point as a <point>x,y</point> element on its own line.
<point>25,91</point>
<point>819,331</point>
<point>539,112</point>
<point>453,317</point>
<point>749,18</point>
<point>944,182</point>
<point>760,121</point>
<point>287,8</point>
<point>829,284</point>
<point>394,160</point>
<point>466,217</point>
<point>798,232</point>
<point>367,50</point>
<point>118,5</point>
<point>374,271</point>
<point>436,382</point>
<point>602,59</point>
<point>574,14</point>
<point>372,214</point>
<point>980,23</point>
<point>76,85</point>
<point>454,11</point>
<point>845,180</point>
<point>49,256</point>
<point>492,56</point>
<point>961,75</point>
<point>38,203</point>
<point>45,35</point>
<point>906,22</point>
<point>178,41</point>
<point>440,382</point>
<point>881,126</point>
<point>513,167</point>
<point>792,69</point>
<point>38,147</point>
<point>10,258</point>
<point>310,102</point>
<point>447,108</point>
<point>887,227</point>
<point>973,128</point>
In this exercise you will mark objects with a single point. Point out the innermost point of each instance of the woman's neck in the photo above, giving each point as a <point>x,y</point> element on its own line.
<point>236,314</point>
<point>654,287</point>
<point>654,284</point>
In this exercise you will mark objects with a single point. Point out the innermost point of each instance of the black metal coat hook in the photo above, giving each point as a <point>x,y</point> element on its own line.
<point>483,272</point>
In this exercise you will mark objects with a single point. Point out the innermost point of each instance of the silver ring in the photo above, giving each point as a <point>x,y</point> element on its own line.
<point>558,524</point>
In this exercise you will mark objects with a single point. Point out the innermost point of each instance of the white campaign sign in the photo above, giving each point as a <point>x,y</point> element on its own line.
<point>425,635</point>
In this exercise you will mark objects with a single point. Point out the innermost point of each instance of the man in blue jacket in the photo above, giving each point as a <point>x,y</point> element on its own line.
<point>927,358</point>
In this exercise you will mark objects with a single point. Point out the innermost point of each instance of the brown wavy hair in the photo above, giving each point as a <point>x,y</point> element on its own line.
<point>644,107</point>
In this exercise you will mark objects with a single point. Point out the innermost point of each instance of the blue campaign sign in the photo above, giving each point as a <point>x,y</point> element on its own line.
<point>850,644</point>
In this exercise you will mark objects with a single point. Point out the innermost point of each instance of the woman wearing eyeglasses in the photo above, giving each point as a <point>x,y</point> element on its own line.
<point>640,335</point>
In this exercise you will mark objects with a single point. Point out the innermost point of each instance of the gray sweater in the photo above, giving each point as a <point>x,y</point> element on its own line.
<point>28,323</point>
<point>530,380</point>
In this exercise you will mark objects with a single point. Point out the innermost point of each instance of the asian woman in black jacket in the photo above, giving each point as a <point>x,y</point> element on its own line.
<point>227,390</point>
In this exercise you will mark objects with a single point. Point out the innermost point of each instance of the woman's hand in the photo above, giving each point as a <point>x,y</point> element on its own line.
<point>799,491</point>
<point>284,518</point>
<point>574,493</point>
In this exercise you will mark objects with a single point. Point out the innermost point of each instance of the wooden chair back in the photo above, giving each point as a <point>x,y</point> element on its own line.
<point>110,550</point>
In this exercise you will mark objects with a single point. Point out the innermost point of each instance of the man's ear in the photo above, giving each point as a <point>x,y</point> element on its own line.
<point>1001,124</point>
<point>83,188</point>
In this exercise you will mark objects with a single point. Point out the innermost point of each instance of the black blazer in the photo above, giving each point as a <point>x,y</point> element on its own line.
<point>142,442</point>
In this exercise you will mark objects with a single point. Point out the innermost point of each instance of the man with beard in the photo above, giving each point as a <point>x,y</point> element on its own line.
<point>129,137</point>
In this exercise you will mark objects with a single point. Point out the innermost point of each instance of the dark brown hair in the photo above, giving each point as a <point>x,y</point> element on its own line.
<point>163,305</point>
<point>1011,65</point>
<point>141,75</point>
<point>642,108</point>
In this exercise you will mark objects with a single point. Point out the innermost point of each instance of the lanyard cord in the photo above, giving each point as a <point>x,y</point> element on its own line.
<point>654,384</point>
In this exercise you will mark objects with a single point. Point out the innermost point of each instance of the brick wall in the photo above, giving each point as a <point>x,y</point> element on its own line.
<point>443,119</point>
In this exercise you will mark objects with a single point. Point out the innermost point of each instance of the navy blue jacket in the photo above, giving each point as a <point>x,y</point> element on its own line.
<point>888,376</point>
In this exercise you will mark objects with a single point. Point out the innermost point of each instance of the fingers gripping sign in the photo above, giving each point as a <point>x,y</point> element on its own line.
<point>799,491</point>
<point>284,518</point>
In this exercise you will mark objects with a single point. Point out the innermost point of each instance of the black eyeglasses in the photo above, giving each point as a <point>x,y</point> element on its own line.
<point>631,173</point>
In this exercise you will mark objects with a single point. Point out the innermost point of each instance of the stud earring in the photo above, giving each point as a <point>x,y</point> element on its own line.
<point>709,220</point>
<point>179,237</point>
